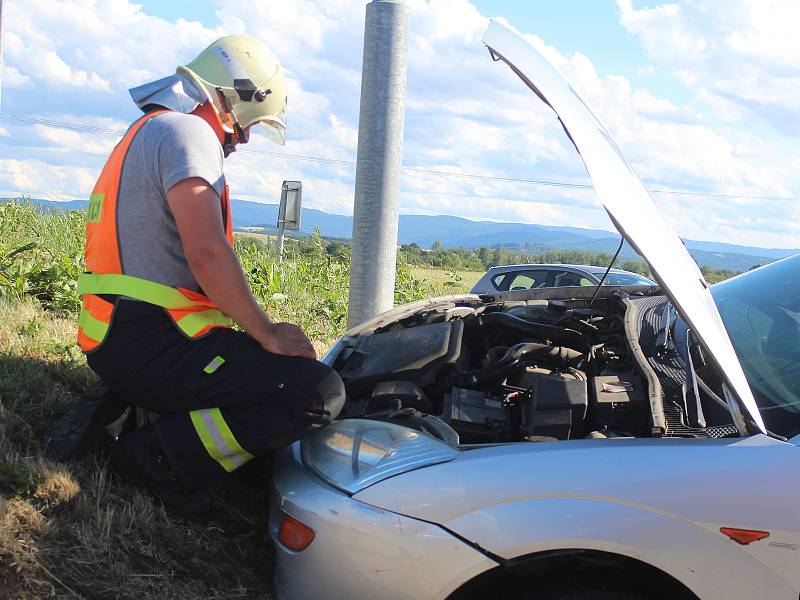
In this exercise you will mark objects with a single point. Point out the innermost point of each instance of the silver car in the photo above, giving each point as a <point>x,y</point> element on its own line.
<point>511,278</point>
<point>553,443</point>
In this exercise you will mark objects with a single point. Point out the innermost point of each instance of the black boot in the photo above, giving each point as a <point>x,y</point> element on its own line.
<point>138,456</point>
<point>84,428</point>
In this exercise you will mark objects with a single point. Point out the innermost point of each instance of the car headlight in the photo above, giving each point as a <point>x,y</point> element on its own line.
<point>352,454</point>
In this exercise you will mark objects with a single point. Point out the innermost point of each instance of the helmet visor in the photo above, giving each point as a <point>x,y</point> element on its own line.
<point>274,127</point>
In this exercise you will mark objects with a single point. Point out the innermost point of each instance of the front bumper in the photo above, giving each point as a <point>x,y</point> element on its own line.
<point>360,551</point>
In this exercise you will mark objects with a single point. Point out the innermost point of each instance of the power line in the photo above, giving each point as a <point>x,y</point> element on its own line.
<point>61,124</point>
<point>29,119</point>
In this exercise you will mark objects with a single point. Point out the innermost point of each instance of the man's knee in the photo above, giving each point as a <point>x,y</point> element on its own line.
<point>331,390</point>
<point>323,386</point>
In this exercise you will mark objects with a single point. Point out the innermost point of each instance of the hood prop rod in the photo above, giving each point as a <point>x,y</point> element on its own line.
<point>611,264</point>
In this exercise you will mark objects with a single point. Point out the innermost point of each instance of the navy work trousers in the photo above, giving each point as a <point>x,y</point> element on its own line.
<point>266,400</point>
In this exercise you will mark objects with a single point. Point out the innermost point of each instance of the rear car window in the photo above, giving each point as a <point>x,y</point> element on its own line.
<point>527,280</point>
<point>497,280</point>
<point>627,279</point>
<point>571,279</point>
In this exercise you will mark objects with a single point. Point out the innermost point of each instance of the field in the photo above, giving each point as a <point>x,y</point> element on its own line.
<point>442,280</point>
<point>72,528</point>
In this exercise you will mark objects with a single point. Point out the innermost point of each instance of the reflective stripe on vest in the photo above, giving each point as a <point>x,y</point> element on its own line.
<point>218,439</point>
<point>193,313</point>
<point>192,317</point>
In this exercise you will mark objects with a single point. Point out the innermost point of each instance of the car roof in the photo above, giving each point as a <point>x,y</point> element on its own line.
<point>587,268</point>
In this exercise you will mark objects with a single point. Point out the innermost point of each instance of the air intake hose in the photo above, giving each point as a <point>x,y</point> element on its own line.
<point>559,335</point>
<point>515,358</point>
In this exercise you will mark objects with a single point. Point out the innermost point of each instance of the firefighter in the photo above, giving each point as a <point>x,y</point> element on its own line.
<point>163,286</point>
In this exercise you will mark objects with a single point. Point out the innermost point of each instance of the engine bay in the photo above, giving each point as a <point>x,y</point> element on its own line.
<point>535,370</point>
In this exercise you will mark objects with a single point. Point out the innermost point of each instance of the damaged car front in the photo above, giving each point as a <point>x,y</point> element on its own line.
<point>576,442</point>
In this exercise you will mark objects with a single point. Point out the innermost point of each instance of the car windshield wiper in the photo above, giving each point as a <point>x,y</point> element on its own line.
<point>664,335</point>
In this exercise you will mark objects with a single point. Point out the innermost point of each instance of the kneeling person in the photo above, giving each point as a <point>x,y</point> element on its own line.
<point>163,285</point>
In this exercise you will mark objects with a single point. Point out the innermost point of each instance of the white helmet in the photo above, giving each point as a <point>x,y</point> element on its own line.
<point>244,82</point>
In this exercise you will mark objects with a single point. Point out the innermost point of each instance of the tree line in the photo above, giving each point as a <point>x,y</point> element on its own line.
<point>483,257</point>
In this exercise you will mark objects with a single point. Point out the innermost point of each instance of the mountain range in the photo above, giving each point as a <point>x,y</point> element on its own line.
<point>451,231</point>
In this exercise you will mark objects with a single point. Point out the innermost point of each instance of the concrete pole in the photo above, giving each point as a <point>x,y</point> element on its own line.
<point>380,150</point>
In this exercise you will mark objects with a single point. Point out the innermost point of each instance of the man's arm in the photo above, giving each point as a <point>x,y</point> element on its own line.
<point>196,208</point>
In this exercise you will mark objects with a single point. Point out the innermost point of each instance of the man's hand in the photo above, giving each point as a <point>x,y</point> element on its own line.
<point>289,340</point>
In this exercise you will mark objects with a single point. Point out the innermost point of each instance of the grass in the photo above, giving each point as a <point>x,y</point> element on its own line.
<point>73,529</point>
<point>41,256</point>
<point>443,281</point>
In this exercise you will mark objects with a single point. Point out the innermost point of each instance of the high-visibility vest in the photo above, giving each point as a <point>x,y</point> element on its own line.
<point>193,313</point>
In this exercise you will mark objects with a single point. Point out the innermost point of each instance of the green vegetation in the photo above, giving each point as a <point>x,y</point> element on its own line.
<point>310,287</point>
<point>480,259</point>
<point>713,275</point>
<point>41,256</point>
<point>73,529</point>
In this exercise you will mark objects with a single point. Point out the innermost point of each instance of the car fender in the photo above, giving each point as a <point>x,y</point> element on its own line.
<point>687,551</point>
<point>360,551</point>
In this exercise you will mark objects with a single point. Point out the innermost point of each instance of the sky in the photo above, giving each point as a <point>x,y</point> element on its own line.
<point>701,97</point>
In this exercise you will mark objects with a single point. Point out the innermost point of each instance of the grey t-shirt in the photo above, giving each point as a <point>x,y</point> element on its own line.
<point>167,149</point>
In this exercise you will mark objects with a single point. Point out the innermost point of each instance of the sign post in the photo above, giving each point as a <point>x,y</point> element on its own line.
<point>289,211</point>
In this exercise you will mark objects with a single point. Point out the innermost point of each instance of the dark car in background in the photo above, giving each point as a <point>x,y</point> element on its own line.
<point>509,278</point>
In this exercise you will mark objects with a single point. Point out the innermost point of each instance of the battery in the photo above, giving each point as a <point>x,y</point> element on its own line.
<point>474,412</point>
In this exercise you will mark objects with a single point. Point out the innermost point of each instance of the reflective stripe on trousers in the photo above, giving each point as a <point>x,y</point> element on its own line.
<point>218,439</point>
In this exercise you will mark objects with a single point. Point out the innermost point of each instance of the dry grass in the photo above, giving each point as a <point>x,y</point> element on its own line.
<point>74,530</point>
<point>442,281</point>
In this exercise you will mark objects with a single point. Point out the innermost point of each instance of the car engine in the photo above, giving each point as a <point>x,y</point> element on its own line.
<point>490,372</point>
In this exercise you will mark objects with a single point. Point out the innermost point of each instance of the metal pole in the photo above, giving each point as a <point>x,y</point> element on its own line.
<point>279,242</point>
<point>380,149</point>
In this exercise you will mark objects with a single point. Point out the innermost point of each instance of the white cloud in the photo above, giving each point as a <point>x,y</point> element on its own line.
<point>72,142</point>
<point>29,177</point>
<point>13,78</point>
<point>741,57</point>
<point>646,71</point>
<point>95,45</point>
<point>47,66</point>
<point>464,112</point>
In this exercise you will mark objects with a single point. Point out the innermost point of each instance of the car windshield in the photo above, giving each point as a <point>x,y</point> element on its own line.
<point>625,279</point>
<point>761,311</point>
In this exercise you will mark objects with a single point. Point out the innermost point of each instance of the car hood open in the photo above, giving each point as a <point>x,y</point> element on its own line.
<point>630,207</point>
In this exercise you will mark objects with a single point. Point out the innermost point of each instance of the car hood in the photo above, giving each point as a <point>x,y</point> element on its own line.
<point>629,205</point>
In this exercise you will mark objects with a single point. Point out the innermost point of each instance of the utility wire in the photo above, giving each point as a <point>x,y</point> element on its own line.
<point>30,119</point>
